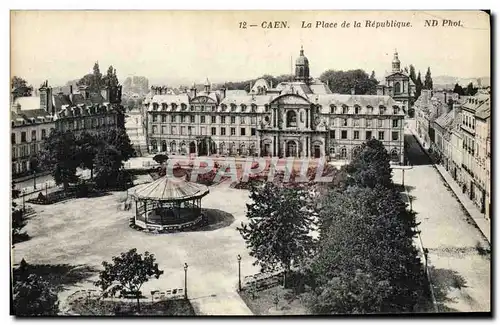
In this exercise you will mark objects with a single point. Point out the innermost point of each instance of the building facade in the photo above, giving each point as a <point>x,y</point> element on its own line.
<point>483,157</point>
<point>29,128</point>
<point>34,117</point>
<point>300,118</point>
<point>398,85</point>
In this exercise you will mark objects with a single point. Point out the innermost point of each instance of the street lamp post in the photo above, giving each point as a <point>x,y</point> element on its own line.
<point>185,281</point>
<point>34,179</point>
<point>24,193</point>
<point>239,272</point>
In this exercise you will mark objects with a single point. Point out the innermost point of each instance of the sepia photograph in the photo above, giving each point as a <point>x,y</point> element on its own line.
<point>250,163</point>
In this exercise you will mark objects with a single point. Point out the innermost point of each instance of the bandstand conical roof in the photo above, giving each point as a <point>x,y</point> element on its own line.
<point>170,189</point>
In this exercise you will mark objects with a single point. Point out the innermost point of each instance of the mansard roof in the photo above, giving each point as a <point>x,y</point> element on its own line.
<point>351,100</point>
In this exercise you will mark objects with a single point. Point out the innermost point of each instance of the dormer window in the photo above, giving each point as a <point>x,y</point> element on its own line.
<point>233,107</point>
<point>214,108</point>
<point>332,109</point>
<point>243,107</point>
<point>369,109</point>
<point>345,109</point>
<point>155,106</point>
<point>381,110</point>
<point>356,109</point>
<point>254,108</point>
<point>174,106</point>
<point>223,107</point>
<point>164,106</point>
<point>395,110</point>
<point>202,108</point>
<point>191,108</point>
<point>266,108</point>
<point>183,106</point>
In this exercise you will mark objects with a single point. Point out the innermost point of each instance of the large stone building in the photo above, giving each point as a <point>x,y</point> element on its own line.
<point>30,125</point>
<point>300,118</point>
<point>398,85</point>
<point>34,117</point>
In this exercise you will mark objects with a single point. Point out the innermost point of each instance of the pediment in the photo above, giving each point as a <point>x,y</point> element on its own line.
<point>203,100</point>
<point>291,99</point>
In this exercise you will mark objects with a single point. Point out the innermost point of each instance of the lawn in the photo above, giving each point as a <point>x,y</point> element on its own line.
<point>179,307</point>
<point>264,302</point>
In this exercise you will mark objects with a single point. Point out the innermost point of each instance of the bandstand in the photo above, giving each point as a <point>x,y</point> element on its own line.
<point>168,205</point>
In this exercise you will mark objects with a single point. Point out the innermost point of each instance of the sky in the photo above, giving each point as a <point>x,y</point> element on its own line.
<point>182,47</point>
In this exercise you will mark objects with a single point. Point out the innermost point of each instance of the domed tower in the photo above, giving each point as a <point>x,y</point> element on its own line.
<point>302,67</point>
<point>396,64</point>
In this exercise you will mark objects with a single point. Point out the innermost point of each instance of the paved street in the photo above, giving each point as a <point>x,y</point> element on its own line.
<point>460,273</point>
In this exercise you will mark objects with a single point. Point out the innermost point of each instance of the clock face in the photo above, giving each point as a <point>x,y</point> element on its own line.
<point>203,100</point>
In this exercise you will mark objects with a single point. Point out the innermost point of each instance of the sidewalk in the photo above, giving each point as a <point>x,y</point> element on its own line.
<point>222,304</point>
<point>481,222</point>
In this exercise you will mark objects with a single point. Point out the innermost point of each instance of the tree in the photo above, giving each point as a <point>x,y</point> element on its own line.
<point>87,145</point>
<point>33,297</point>
<point>418,86</point>
<point>59,156</point>
<point>18,223</point>
<point>127,273</point>
<point>35,167</point>
<point>371,166</point>
<point>108,164</point>
<point>344,81</point>
<point>366,260</point>
<point>280,222</point>
<point>428,79</point>
<point>471,90</point>
<point>160,158</point>
<point>110,79</point>
<point>15,192</point>
<point>119,139</point>
<point>20,87</point>
<point>459,90</point>
<point>413,76</point>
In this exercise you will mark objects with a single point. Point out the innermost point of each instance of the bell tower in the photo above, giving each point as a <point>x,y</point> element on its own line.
<point>396,64</point>
<point>302,67</point>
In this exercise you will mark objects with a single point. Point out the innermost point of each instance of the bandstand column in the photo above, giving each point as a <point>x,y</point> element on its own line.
<point>146,212</point>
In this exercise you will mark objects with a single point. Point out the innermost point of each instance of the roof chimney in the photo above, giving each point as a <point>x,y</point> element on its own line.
<point>70,89</point>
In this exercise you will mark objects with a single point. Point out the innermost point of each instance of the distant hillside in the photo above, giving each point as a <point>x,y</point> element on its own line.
<point>450,81</point>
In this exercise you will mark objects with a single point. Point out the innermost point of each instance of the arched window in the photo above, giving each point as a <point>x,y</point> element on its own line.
<point>343,153</point>
<point>301,71</point>
<point>172,146</point>
<point>355,151</point>
<point>291,119</point>
<point>395,155</point>
<point>397,88</point>
<point>345,109</point>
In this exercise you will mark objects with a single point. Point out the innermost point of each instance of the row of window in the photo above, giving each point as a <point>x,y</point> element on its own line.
<point>291,120</point>
<point>362,122</point>
<point>213,130</point>
<point>343,152</point>
<point>468,121</point>
<point>25,150</point>
<point>13,137</point>
<point>81,124</point>
<point>213,108</point>
<point>356,135</point>
<point>344,109</point>
<point>358,110</point>
<point>203,119</point>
